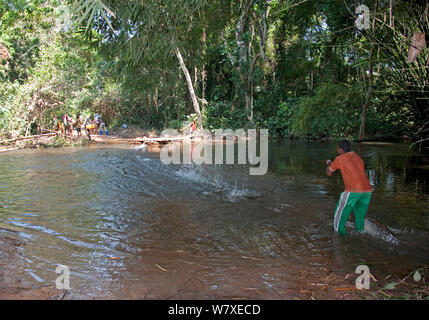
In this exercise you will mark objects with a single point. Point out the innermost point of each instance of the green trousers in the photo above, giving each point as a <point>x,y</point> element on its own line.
<point>357,202</point>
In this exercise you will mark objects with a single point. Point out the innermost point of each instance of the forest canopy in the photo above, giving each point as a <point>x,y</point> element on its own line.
<point>302,69</point>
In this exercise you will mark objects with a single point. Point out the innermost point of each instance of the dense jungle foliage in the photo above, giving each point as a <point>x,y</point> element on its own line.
<point>302,69</point>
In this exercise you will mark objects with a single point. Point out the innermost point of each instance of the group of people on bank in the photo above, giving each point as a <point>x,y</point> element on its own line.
<point>68,125</point>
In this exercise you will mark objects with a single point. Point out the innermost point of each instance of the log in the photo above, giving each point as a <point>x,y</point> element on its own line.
<point>157,140</point>
<point>6,150</point>
<point>30,137</point>
<point>161,140</point>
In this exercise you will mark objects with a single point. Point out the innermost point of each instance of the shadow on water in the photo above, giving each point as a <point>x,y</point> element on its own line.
<point>129,226</point>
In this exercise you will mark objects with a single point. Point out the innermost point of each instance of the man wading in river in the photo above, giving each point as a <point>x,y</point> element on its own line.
<point>357,191</point>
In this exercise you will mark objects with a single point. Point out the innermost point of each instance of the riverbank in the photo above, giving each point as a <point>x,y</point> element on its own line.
<point>52,140</point>
<point>56,139</point>
<point>133,131</point>
<point>125,135</point>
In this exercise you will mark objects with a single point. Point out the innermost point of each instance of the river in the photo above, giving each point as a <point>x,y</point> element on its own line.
<point>130,227</point>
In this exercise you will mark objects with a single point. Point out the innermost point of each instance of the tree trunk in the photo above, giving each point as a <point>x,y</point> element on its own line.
<point>249,92</point>
<point>244,53</point>
<point>367,100</point>
<point>370,85</point>
<point>190,87</point>
<point>204,72</point>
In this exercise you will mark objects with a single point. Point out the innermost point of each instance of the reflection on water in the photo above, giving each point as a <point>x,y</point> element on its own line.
<point>202,231</point>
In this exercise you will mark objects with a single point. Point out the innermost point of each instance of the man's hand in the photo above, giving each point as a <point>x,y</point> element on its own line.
<point>328,172</point>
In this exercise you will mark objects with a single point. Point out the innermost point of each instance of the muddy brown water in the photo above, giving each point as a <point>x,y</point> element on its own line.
<point>128,226</point>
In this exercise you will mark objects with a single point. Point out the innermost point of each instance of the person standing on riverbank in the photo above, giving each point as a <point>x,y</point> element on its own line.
<point>67,124</point>
<point>193,126</point>
<point>357,193</point>
<point>78,124</point>
<point>87,125</point>
<point>100,125</point>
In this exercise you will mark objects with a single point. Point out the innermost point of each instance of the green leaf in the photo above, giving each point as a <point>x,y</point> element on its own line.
<point>390,286</point>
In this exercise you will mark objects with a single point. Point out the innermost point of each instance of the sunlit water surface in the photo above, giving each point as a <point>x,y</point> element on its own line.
<point>129,226</point>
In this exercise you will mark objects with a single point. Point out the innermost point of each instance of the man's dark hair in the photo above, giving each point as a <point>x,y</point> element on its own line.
<point>344,145</point>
